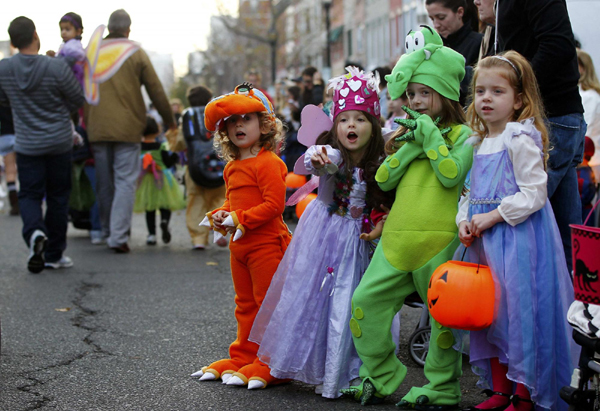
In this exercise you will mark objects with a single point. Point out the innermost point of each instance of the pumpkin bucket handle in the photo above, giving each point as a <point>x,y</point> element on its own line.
<point>478,254</point>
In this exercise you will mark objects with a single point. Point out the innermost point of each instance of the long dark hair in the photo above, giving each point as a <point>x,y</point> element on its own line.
<point>370,161</point>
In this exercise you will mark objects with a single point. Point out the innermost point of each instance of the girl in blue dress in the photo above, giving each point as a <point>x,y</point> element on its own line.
<point>525,356</point>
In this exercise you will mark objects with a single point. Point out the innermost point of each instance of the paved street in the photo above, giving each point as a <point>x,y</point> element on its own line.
<point>123,332</point>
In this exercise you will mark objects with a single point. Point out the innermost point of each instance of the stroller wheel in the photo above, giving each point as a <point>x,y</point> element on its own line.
<point>418,345</point>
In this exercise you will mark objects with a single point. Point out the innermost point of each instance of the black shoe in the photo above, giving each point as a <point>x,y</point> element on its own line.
<point>121,249</point>
<point>36,263</point>
<point>166,234</point>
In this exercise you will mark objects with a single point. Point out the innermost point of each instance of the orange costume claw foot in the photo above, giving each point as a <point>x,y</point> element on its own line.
<point>256,375</point>
<point>223,369</point>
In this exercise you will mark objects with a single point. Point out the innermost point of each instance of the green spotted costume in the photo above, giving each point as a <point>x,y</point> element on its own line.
<point>428,173</point>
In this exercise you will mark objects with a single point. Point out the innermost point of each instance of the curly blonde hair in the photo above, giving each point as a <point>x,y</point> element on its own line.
<point>523,82</point>
<point>272,141</point>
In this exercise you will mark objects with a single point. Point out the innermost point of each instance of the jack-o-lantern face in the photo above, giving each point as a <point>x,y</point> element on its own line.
<point>461,295</point>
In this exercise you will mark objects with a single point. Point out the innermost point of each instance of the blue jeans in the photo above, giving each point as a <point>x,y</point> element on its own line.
<point>566,152</point>
<point>49,176</point>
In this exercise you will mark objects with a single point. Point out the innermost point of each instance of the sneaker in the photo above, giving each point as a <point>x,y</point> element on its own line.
<point>199,247</point>
<point>166,234</point>
<point>319,389</point>
<point>151,239</point>
<point>96,237</point>
<point>37,246</point>
<point>64,262</point>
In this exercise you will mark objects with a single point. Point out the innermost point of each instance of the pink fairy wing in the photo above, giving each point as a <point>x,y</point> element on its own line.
<point>314,121</point>
<point>303,191</point>
<point>299,167</point>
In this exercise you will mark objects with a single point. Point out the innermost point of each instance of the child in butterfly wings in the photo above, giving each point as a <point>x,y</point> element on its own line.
<point>302,327</point>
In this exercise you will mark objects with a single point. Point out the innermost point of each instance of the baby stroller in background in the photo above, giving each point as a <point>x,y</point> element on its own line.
<point>579,395</point>
<point>584,316</point>
<point>418,342</point>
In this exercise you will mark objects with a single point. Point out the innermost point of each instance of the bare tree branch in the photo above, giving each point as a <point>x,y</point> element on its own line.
<point>240,32</point>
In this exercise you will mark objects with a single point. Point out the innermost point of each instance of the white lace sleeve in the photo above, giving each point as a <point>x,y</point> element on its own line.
<point>463,209</point>
<point>530,177</point>
<point>334,155</point>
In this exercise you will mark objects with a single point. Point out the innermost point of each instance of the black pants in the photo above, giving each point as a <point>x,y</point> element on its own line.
<point>165,215</point>
<point>46,176</point>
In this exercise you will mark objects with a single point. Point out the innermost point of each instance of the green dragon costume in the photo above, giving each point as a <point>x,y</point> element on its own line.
<point>428,173</point>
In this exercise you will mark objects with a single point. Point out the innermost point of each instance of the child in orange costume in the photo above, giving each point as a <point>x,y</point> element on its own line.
<point>247,133</point>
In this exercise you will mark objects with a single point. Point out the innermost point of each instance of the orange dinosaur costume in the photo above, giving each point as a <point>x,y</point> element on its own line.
<point>255,199</point>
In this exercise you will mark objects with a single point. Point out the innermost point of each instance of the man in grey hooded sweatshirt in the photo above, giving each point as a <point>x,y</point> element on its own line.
<point>42,92</point>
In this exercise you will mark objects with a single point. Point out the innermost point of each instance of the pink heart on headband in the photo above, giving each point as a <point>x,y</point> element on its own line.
<point>354,84</point>
<point>344,92</point>
<point>358,99</point>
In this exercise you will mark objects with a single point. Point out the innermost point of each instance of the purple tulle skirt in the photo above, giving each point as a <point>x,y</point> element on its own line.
<point>302,326</point>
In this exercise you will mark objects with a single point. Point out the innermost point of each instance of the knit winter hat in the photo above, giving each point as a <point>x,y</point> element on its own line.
<point>355,91</point>
<point>427,62</point>
<point>244,99</point>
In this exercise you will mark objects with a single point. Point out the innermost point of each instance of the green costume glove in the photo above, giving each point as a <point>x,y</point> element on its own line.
<point>412,124</point>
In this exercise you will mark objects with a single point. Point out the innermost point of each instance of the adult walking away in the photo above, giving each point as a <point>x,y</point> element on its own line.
<point>115,128</point>
<point>541,31</point>
<point>7,151</point>
<point>42,92</point>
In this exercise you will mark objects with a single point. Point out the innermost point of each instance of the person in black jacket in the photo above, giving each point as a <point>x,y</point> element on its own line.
<point>541,31</point>
<point>457,23</point>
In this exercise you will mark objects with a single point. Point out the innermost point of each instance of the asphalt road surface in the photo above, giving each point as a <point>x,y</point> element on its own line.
<point>124,332</point>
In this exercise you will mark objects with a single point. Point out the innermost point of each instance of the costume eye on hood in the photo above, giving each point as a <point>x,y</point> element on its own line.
<point>427,62</point>
<point>243,100</point>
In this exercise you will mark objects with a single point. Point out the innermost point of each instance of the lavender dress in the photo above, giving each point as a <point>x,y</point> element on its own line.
<point>302,326</point>
<point>530,331</point>
<point>72,51</point>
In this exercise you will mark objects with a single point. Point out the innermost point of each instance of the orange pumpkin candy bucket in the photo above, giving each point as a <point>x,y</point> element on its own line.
<point>461,295</point>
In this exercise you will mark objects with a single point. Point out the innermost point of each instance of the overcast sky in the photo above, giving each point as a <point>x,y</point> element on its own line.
<point>173,27</point>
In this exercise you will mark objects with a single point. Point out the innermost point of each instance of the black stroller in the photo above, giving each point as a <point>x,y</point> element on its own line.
<point>584,392</point>
<point>418,342</point>
<point>584,315</point>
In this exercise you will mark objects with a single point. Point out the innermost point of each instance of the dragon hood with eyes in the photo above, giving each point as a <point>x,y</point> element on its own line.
<point>427,61</point>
